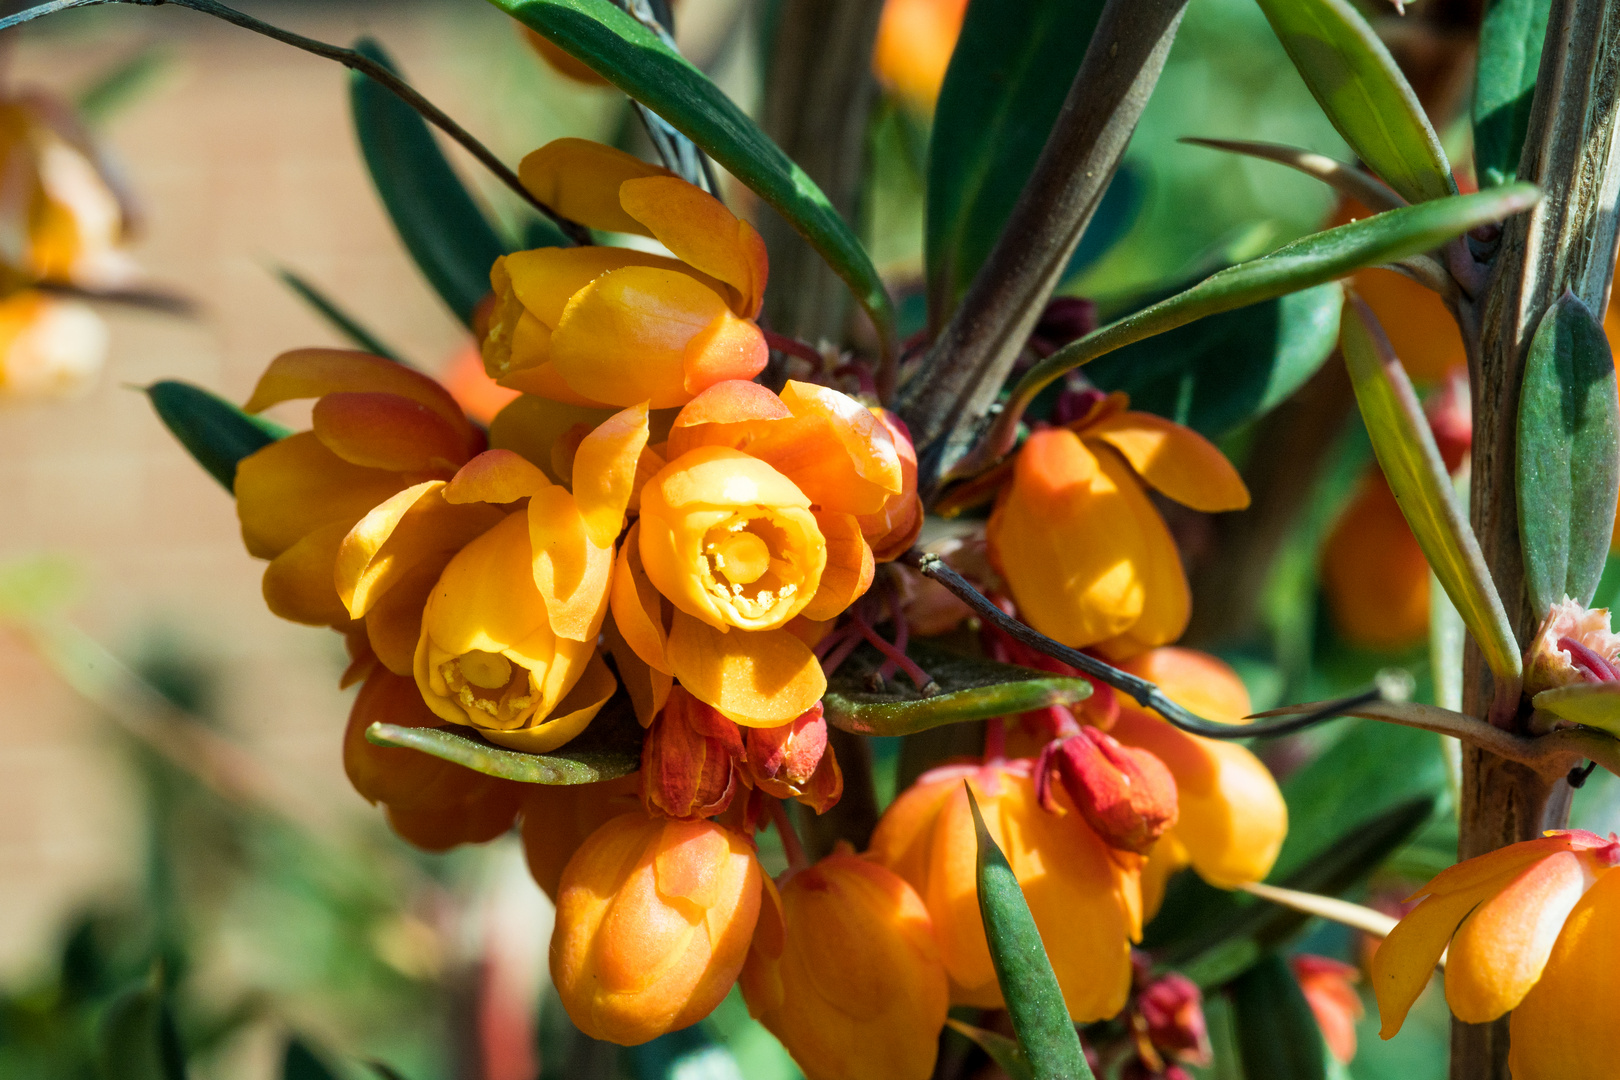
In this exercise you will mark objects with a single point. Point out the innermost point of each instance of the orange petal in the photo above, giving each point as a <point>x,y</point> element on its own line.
<point>313,373</point>
<point>1167,601</point>
<point>386,431</point>
<point>298,582</point>
<point>647,686</point>
<point>394,623</point>
<point>849,570</point>
<point>729,349</point>
<point>416,525</point>
<point>546,278</point>
<point>732,402</point>
<point>867,449</point>
<point>1564,1028</point>
<point>571,572</point>
<point>1177,461</point>
<point>580,180</point>
<point>495,476</point>
<point>640,611</point>
<point>760,678</point>
<point>699,229</point>
<point>605,472</point>
<point>295,485</point>
<point>570,716</point>
<point>530,425</point>
<point>1405,960</point>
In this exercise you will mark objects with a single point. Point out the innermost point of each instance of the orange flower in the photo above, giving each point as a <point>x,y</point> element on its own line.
<point>1126,795</point>
<point>618,326</point>
<point>1233,818</point>
<point>472,388</point>
<point>1085,897</point>
<point>558,819</point>
<point>379,428</point>
<point>1374,573</point>
<point>753,523</point>
<point>1329,990</point>
<point>433,803</point>
<point>1498,918</point>
<point>1084,553</point>
<point>654,917</point>
<point>914,44</point>
<point>49,347</point>
<point>844,971</point>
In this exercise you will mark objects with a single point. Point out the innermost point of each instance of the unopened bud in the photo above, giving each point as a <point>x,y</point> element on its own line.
<point>1327,986</point>
<point>1172,1010</point>
<point>1125,794</point>
<point>688,760</point>
<point>1573,645</point>
<point>793,761</point>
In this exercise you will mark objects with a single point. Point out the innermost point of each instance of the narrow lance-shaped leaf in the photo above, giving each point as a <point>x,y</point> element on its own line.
<point>1005,1052</point>
<point>1363,93</point>
<point>137,1040</point>
<point>1406,452</point>
<point>1277,1034</point>
<point>442,227</point>
<point>1028,984</point>
<point>1510,39</point>
<point>1568,464</point>
<point>215,432</point>
<point>561,767</point>
<point>631,57</point>
<point>341,320</point>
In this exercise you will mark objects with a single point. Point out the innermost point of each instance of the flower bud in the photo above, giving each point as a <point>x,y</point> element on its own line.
<point>1327,987</point>
<point>871,1012</point>
<point>654,918</point>
<point>688,759</point>
<point>1172,1010</point>
<point>1126,795</point>
<point>793,761</point>
<point>1572,645</point>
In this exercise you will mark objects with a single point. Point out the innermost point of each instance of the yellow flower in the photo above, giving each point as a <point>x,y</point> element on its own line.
<point>49,348</point>
<point>914,44</point>
<point>844,971</point>
<point>1084,552</point>
<point>617,326</point>
<point>654,917</point>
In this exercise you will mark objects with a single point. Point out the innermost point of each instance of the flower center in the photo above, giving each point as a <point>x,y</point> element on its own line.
<point>486,670</point>
<point>752,567</point>
<point>742,557</point>
<point>488,683</point>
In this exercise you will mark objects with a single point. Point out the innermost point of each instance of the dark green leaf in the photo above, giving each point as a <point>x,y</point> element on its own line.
<point>137,1040</point>
<point>1005,1052</point>
<point>679,1055</point>
<point>1028,984</point>
<point>1222,371</point>
<point>385,1071</point>
<point>1569,455</point>
<point>341,321</point>
<point>300,1063</point>
<point>631,57</point>
<point>215,432</point>
<point>442,227</point>
<point>1510,40</point>
<point>971,688</point>
<point>1311,260</point>
<point>1363,93</point>
<point>1277,1034</point>
<point>1007,80</point>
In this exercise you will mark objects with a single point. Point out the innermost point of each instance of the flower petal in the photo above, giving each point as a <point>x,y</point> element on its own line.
<point>1564,1028</point>
<point>571,572</point>
<point>580,180</point>
<point>394,623</point>
<point>1405,960</point>
<point>530,425</point>
<point>495,476</point>
<point>295,485</point>
<point>647,686</point>
<point>849,570</point>
<point>416,525</point>
<point>1177,461</point>
<point>639,610</point>
<point>570,716</point>
<point>298,582</point>
<point>386,431</point>
<point>545,279</point>
<point>605,471</point>
<point>701,232</point>
<point>1167,601</point>
<point>313,373</point>
<point>760,678</point>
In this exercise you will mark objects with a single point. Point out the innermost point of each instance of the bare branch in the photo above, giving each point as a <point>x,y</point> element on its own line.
<point>1344,912</point>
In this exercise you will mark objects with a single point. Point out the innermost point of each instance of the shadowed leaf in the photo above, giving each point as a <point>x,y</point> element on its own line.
<point>137,1040</point>
<point>341,320</point>
<point>300,1063</point>
<point>215,432</point>
<point>1277,1034</point>
<point>1510,39</point>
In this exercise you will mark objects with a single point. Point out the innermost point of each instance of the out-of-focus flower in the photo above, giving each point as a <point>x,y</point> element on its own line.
<point>754,523</point>
<point>1329,989</point>
<point>1572,645</point>
<point>654,919</point>
<point>617,326</point>
<point>914,44</point>
<point>1125,794</point>
<point>844,971</point>
<point>1083,551</point>
<point>563,63</point>
<point>1172,1010</point>
<point>1421,329</point>
<point>558,819</point>
<point>379,428</point>
<point>1497,917</point>
<point>1084,895</point>
<point>433,803</point>
<point>49,347</point>
<point>480,396</point>
<point>1232,816</point>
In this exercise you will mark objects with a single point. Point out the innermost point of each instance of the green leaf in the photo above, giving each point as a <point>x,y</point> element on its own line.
<point>137,1040</point>
<point>1277,1034</point>
<point>691,1053</point>
<point>1406,452</point>
<point>1308,261</point>
<point>631,57</point>
<point>452,242</point>
<point>1028,984</point>
<point>971,688</point>
<point>1569,455</point>
<point>215,432</point>
<point>1220,372</point>
<point>1592,704</point>
<point>1363,93</point>
<point>341,321</point>
<point>1510,39</point>
<point>300,1063</point>
<point>122,84</point>
<point>1006,83</point>
<point>1005,1052</point>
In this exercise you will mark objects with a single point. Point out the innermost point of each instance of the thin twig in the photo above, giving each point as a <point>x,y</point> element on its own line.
<point>1355,916</point>
<point>1347,180</point>
<point>355,62</point>
<point>164,302</point>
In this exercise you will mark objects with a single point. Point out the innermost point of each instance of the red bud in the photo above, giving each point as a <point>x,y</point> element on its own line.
<point>1173,1011</point>
<point>688,759</point>
<point>794,761</point>
<point>1125,794</point>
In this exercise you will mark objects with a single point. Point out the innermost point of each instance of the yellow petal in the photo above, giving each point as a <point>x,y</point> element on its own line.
<point>298,582</point>
<point>1166,600</point>
<point>1177,461</point>
<point>580,180</point>
<point>495,476</point>
<point>570,717</point>
<point>760,678</point>
<point>571,572</point>
<point>1564,1029</point>
<point>639,610</point>
<point>417,525</point>
<point>545,279</point>
<point>647,686</point>
<point>394,623</point>
<point>605,472</point>
<point>313,373</point>
<point>701,232</point>
<point>849,570</point>
<point>386,431</point>
<point>530,425</point>
<point>296,485</point>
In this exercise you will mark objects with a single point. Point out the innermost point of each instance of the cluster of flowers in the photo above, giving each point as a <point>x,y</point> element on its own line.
<point>646,518</point>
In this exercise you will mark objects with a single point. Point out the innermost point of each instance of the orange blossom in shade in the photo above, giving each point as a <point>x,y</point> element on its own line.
<point>481,397</point>
<point>751,532</point>
<point>49,347</point>
<point>378,429</point>
<point>654,918</point>
<point>618,326</point>
<point>1499,915</point>
<point>1329,989</point>
<point>1232,816</point>
<point>433,803</point>
<point>558,819</point>
<point>1374,575</point>
<point>915,40</point>
<point>1085,896</point>
<point>1083,551</point>
<point>845,972</point>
